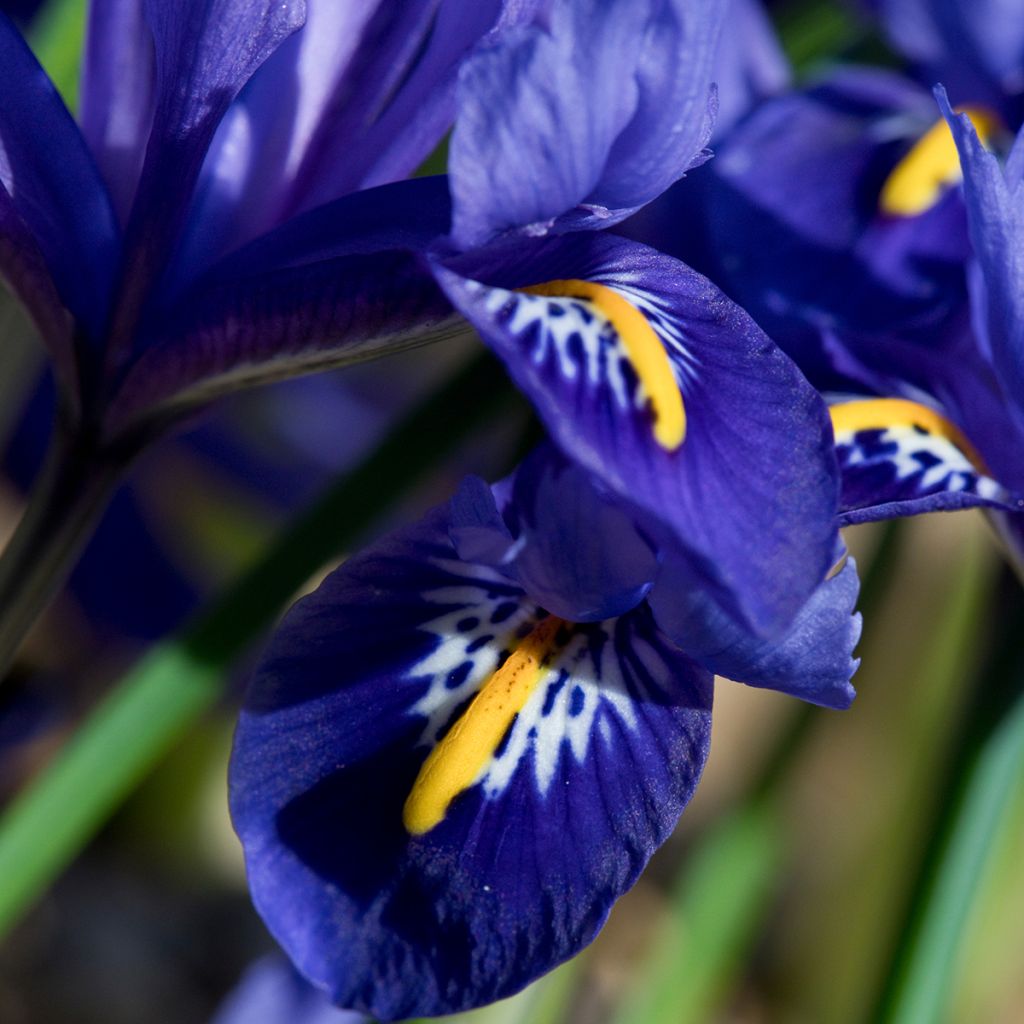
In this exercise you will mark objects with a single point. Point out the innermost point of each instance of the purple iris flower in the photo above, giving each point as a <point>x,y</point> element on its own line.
<point>834,215</point>
<point>442,783</point>
<point>680,522</point>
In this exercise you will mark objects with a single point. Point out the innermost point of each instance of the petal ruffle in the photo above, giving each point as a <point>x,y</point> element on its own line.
<point>523,865</point>
<point>751,491</point>
<point>590,117</point>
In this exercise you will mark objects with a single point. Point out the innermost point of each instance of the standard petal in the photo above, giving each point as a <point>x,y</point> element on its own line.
<point>53,185</point>
<point>24,271</point>
<point>409,890</point>
<point>900,458</point>
<point>573,548</point>
<point>813,660</point>
<point>118,80</point>
<point>358,98</point>
<point>205,51</point>
<point>995,209</point>
<point>332,287</point>
<point>590,117</point>
<point>670,395</point>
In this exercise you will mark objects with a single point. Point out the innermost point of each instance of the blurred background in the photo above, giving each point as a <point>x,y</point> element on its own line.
<point>825,855</point>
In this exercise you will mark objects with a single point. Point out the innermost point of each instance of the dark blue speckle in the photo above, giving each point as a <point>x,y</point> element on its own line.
<point>459,675</point>
<point>552,692</point>
<point>504,611</point>
<point>468,624</point>
<point>577,699</point>
<point>481,641</point>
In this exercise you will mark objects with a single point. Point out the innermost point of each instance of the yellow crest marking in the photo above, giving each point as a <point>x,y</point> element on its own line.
<point>644,348</point>
<point>468,746</point>
<point>882,413</point>
<point>918,180</point>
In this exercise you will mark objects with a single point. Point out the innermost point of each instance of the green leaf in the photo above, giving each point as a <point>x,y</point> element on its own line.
<point>57,38</point>
<point>987,788</point>
<point>716,909</point>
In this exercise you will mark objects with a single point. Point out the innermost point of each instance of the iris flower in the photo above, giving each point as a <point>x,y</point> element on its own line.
<point>684,503</point>
<point>445,773</point>
<point>834,214</point>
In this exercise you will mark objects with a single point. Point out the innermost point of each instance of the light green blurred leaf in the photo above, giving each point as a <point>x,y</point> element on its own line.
<point>57,37</point>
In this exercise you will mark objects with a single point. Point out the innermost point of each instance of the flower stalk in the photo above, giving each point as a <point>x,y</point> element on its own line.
<point>68,497</point>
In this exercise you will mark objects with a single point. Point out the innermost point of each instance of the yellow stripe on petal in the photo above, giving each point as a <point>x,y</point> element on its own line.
<point>644,348</point>
<point>885,413</point>
<point>468,747</point>
<point>932,165</point>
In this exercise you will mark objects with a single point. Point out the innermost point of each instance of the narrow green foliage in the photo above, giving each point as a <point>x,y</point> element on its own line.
<point>716,909</point>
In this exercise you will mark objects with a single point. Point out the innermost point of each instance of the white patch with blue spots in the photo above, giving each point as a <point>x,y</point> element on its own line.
<point>581,686</point>
<point>930,461</point>
<point>580,338</point>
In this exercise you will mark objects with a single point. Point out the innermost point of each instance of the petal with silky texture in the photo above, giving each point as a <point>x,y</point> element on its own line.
<point>441,789</point>
<point>587,117</point>
<point>995,211</point>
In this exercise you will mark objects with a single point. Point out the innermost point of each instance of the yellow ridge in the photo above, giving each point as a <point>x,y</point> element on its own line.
<point>644,348</point>
<point>916,183</point>
<point>457,761</point>
<point>882,413</point>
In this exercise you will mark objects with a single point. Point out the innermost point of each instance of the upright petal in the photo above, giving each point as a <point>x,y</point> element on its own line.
<point>414,866</point>
<point>358,98</point>
<point>749,65</point>
<point>50,182</point>
<point>586,119</point>
<point>995,207</point>
<point>645,374</point>
<point>205,52</point>
<point>118,82</point>
<point>975,46</point>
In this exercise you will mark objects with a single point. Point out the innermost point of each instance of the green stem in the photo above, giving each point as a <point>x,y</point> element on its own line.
<point>66,500</point>
<point>156,702</point>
